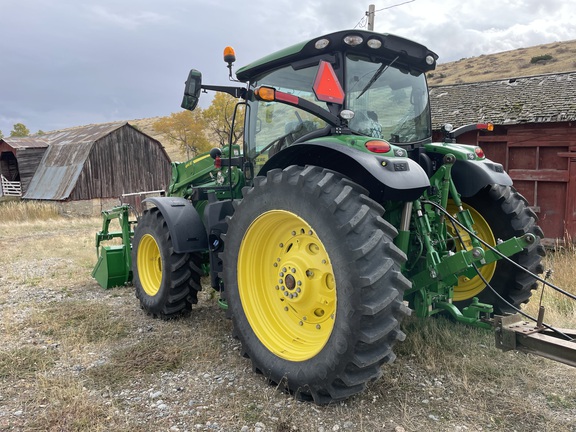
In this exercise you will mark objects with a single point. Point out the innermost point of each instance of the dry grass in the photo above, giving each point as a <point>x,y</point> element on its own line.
<point>76,357</point>
<point>560,309</point>
<point>16,210</point>
<point>540,59</point>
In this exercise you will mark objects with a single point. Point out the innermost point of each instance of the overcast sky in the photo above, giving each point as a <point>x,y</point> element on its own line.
<point>74,62</point>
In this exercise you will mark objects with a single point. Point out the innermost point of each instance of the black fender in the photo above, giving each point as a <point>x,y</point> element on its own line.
<point>472,176</point>
<point>385,177</point>
<point>184,223</point>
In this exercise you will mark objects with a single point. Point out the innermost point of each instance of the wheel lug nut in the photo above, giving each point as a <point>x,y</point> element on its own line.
<point>277,287</point>
<point>286,293</point>
<point>286,308</point>
<point>281,245</point>
<point>299,283</point>
<point>318,326</point>
<point>293,270</point>
<point>293,233</point>
<point>281,274</point>
<point>280,281</point>
<point>275,264</point>
<point>301,323</point>
<point>282,288</point>
<point>298,290</point>
<point>284,269</point>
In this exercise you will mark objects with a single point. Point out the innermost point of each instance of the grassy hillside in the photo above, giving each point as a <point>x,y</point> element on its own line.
<point>540,59</point>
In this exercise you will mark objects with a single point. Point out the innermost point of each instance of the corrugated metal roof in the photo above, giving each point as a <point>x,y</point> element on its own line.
<point>81,134</point>
<point>35,141</point>
<point>535,99</point>
<point>62,163</point>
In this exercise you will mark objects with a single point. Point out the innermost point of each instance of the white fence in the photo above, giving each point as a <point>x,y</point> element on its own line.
<point>10,188</point>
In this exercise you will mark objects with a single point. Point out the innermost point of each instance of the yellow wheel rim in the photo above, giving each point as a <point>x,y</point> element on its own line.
<point>286,285</point>
<point>468,288</point>
<point>149,265</point>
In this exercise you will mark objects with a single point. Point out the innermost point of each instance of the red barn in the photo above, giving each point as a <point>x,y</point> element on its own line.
<point>534,138</point>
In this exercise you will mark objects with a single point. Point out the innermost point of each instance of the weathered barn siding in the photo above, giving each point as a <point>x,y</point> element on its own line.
<point>20,157</point>
<point>534,138</point>
<point>124,161</point>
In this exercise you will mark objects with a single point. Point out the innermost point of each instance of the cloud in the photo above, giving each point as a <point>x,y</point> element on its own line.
<point>128,21</point>
<point>68,63</point>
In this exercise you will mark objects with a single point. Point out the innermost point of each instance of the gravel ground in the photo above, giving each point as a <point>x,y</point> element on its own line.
<point>445,378</point>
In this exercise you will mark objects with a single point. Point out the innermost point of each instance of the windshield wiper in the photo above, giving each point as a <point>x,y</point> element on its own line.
<point>383,67</point>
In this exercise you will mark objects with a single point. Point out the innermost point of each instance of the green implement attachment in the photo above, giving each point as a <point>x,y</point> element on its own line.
<point>114,266</point>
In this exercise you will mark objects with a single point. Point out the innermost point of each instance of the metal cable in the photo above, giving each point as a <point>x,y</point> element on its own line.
<point>455,222</point>
<point>496,251</point>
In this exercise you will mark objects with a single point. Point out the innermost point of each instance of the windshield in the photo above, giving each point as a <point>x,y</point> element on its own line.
<point>387,103</point>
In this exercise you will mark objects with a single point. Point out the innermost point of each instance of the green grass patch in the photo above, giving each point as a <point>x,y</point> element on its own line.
<point>63,404</point>
<point>147,357</point>
<point>79,322</point>
<point>26,362</point>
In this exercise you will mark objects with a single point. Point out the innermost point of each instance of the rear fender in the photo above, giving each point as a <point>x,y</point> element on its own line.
<point>184,223</point>
<point>385,177</point>
<point>472,176</point>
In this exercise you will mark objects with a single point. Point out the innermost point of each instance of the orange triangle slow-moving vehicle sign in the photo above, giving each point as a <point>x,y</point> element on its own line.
<point>327,88</point>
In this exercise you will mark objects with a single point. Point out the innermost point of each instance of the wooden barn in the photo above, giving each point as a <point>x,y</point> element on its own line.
<point>534,138</point>
<point>94,163</point>
<point>19,159</point>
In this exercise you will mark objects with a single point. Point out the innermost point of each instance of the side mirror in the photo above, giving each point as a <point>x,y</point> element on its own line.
<point>192,90</point>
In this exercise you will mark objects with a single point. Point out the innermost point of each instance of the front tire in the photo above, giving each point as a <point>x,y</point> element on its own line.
<point>500,212</point>
<point>313,283</point>
<point>167,283</point>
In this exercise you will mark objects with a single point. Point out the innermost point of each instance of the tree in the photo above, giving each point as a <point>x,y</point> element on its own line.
<point>19,130</point>
<point>185,129</point>
<point>218,118</point>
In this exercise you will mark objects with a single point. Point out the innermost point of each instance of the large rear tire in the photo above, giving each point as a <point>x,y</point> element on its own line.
<point>167,283</point>
<point>313,283</point>
<point>500,212</point>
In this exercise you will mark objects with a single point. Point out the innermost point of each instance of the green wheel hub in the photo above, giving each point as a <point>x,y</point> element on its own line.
<point>286,285</point>
<point>149,265</point>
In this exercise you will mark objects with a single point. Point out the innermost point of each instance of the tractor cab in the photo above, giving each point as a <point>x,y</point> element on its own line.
<point>349,83</point>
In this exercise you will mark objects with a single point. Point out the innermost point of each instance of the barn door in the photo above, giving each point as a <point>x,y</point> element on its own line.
<point>570,220</point>
<point>9,166</point>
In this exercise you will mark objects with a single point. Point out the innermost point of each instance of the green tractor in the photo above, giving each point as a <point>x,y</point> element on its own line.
<point>337,218</point>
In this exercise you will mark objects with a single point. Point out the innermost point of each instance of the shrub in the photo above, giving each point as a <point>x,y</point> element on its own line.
<point>541,58</point>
